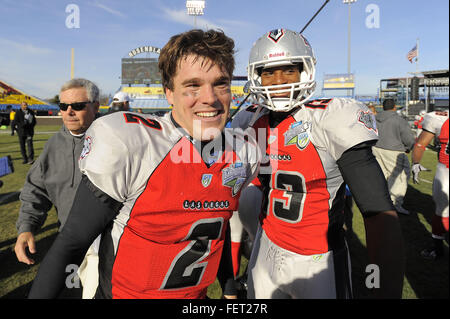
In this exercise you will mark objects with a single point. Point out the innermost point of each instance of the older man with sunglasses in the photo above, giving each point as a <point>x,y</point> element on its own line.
<point>54,177</point>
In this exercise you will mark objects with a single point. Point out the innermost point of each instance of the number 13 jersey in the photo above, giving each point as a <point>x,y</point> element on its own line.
<point>302,184</point>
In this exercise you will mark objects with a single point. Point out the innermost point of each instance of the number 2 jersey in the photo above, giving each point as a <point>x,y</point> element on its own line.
<point>301,180</point>
<point>166,241</point>
<point>436,122</point>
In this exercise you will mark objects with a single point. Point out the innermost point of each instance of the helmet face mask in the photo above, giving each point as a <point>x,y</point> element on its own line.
<point>280,48</point>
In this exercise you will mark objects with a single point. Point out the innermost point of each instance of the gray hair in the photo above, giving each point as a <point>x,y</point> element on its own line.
<point>92,90</point>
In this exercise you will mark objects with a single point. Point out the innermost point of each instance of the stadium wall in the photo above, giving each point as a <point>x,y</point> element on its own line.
<point>49,120</point>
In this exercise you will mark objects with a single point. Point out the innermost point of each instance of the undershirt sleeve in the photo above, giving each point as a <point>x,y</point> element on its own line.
<point>225,273</point>
<point>90,214</point>
<point>365,179</point>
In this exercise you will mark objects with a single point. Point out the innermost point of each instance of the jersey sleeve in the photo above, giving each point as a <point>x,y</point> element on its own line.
<point>110,160</point>
<point>432,122</point>
<point>344,124</point>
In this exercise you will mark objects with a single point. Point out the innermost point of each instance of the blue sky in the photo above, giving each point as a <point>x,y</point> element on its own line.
<point>35,43</point>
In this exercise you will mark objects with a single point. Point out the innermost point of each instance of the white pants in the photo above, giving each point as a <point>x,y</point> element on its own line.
<point>396,170</point>
<point>439,224</point>
<point>88,271</point>
<point>440,190</point>
<point>276,273</point>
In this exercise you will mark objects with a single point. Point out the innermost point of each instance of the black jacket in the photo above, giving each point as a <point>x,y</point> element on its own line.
<point>22,126</point>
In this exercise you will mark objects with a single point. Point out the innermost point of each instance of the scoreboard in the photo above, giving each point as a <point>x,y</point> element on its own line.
<point>140,71</point>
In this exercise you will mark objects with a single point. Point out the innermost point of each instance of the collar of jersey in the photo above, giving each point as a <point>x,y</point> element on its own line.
<point>199,145</point>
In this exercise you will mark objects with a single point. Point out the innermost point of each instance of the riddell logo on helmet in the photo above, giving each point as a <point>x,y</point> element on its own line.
<point>275,55</point>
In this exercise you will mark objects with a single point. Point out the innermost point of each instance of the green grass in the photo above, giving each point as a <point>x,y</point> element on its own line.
<point>423,279</point>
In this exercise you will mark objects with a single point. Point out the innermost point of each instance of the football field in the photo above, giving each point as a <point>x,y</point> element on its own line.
<point>424,279</point>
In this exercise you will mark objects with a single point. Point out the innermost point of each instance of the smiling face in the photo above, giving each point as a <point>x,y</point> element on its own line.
<point>280,75</point>
<point>201,97</point>
<point>77,121</point>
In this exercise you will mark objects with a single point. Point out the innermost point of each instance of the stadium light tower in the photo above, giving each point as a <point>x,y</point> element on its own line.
<point>349,2</point>
<point>195,8</point>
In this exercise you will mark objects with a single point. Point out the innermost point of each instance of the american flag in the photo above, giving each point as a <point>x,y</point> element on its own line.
<point>412,53</point>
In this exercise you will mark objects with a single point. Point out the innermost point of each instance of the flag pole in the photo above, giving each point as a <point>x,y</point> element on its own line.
<point>417,57</point>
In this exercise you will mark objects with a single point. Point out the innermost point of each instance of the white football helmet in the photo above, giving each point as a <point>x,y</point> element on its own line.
<point>278,48</point>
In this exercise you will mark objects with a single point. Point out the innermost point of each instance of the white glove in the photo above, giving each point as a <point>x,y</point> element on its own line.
<point>416,169</point>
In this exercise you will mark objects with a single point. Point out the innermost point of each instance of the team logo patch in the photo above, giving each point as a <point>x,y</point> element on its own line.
<point>87,147</point>
<point>276,35</point>
<point>368,120</point>
<point>299,134</point>
<point>206,179</point>
<point>234,176</point>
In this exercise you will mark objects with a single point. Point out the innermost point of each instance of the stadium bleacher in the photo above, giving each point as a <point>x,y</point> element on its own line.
<point>10,95</point>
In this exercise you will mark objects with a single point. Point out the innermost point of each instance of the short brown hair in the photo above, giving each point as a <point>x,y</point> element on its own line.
<point>211,44</point>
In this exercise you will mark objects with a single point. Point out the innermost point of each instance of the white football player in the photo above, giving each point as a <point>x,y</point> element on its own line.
<point>435,124</point>
<point>160,238</point>
<point>313,148</point>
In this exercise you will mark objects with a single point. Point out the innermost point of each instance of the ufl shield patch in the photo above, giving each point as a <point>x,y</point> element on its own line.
<point>234,176</point>
<point>206,180</point>
<point>299,134</point>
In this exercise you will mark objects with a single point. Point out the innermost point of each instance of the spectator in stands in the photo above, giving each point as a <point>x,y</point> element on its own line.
<point>121,102</point>
<point>395,140</point>
<point>54,178</point>
<point>25,120</point>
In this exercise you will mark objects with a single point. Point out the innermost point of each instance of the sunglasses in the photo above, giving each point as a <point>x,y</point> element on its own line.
<point>78,106</point>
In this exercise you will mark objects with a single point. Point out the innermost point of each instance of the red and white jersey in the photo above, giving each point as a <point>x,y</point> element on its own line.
<point>167,240</point>
<point>303,182</point>
<point>436,122</point>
